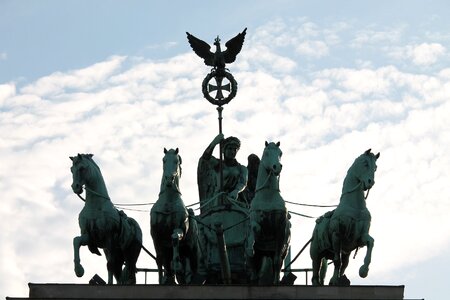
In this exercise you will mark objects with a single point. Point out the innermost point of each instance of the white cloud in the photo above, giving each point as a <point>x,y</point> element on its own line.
<point>315,49</point>
<point>82,80</point>
<point>370,36</point>
<point>424,54</point>
<point>125,111</point>
<point>6,91</point>
<point>3,56</point>
<point>164,46</point>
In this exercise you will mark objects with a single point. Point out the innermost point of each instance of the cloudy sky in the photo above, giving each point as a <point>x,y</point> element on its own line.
<point>327,79</point>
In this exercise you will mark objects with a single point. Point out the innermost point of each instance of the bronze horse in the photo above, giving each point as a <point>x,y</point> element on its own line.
<point>339,232</point>
<point>174,233</point>
<point>269,234</point>
<point>102,225</point>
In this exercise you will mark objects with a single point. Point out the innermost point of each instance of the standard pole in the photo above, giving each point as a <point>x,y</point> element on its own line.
<point>219,110</point>
<point>224,262</point>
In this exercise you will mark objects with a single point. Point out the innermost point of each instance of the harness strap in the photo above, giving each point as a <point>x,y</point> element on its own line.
<point>265,182</point>
<point>96,193</point>
<point>354,189</point>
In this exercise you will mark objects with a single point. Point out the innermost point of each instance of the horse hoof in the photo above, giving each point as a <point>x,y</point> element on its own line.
<point>316,282</point>
<point>168,280</point>
<point>79,270</point>
<point>363,271</point>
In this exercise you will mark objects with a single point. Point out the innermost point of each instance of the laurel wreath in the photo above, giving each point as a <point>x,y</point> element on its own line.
<point>219,102</point>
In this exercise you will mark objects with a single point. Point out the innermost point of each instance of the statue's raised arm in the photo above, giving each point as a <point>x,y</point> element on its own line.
<point>234,174</point>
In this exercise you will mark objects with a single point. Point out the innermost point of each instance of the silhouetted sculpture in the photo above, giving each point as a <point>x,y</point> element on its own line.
<point>219,58</point>
<point>252,168</point>
<point>174,233</point>
<point>102,225</point>
<point>269,233</point>
<point>234,174</point>
<point>339,232</point>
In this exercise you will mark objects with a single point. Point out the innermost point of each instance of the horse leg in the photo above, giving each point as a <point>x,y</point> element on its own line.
<point>336,244</point>
<point>79,241</point>
<point>323,270</point>
<point>160,270</point>
<point>266,270</point>
<point>159,260</point>
<point>187,271</point>
<point>253,232</point>
<point>320,266</point>
<point>130,264</point>
<point>166,257</point>
<point>163,261</point>
<point>109,266</point>
<point>344,263</point>
<point>277,258</point>
<point>131,254</point>
<point>276,267</point>
<point>177,266</point>
<point>369,241</point>
<point>253,257</point>
<point>343,280</point>
<point>119,273</point>
<point>316,259</point>
<point>316,266</point>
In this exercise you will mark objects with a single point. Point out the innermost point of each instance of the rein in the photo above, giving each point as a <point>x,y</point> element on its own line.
<point>355,188</point>
<point>265,182</point>
<point>93,192</point>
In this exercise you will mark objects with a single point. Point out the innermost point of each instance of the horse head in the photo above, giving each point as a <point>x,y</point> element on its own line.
<point>364,169</point>
<point>271,158</point>
<point>171,168</point>
<point>81,171</point>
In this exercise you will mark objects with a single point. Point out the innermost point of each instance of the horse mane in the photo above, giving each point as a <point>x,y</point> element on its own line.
<point>361,158</point>
<point>88,157</point>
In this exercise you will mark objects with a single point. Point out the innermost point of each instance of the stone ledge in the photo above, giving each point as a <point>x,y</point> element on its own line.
<point>206,292</point>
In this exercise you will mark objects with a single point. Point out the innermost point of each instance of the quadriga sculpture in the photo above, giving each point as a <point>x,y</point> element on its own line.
<point>269,234</point>
<point>102,225</point>
<point>175,235</point>
<point>339,232</point>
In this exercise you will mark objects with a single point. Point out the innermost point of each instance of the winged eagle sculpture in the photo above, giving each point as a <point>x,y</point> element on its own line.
<point>219,58</point>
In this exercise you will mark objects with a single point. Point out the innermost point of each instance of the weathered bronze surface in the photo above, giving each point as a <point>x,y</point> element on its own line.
<point>337,233</point>
<point>219,58</point>
<point>174,233</point>
<point>219,73</point>
<point>234,175</point>
<point>102,225</point>
<point>242,233</point>
<point>269,231</point>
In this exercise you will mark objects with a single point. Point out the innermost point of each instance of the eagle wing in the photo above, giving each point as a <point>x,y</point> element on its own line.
<point>234,46</point>
<point>202,49</point>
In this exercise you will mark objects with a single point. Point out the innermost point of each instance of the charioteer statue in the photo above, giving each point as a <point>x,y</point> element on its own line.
<point>234,174</point>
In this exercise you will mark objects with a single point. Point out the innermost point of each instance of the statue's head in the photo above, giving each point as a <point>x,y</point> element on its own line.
<point>171,166</point>
<point>80,171</point>
<point>231,146</point>
<point>231,141</point>
<point>364,168</point>
<point>271,158</point>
